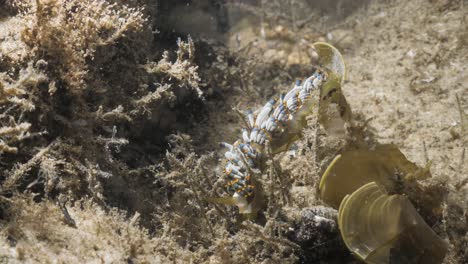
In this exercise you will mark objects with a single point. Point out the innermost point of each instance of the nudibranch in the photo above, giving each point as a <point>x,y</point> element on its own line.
<point>272,129</point>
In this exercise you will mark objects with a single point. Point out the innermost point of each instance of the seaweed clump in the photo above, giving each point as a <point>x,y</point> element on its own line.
<point>84,91</point>
<point>86,105</point>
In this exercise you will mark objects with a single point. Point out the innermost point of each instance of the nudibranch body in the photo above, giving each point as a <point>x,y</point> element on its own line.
<point>273,128</point>
<point>276,125</point>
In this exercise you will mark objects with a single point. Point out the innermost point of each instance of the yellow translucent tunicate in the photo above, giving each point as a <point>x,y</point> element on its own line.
<point>353,168</point>
<point>334,110</point>
<point>331,58</point>
<point>382,228</point>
